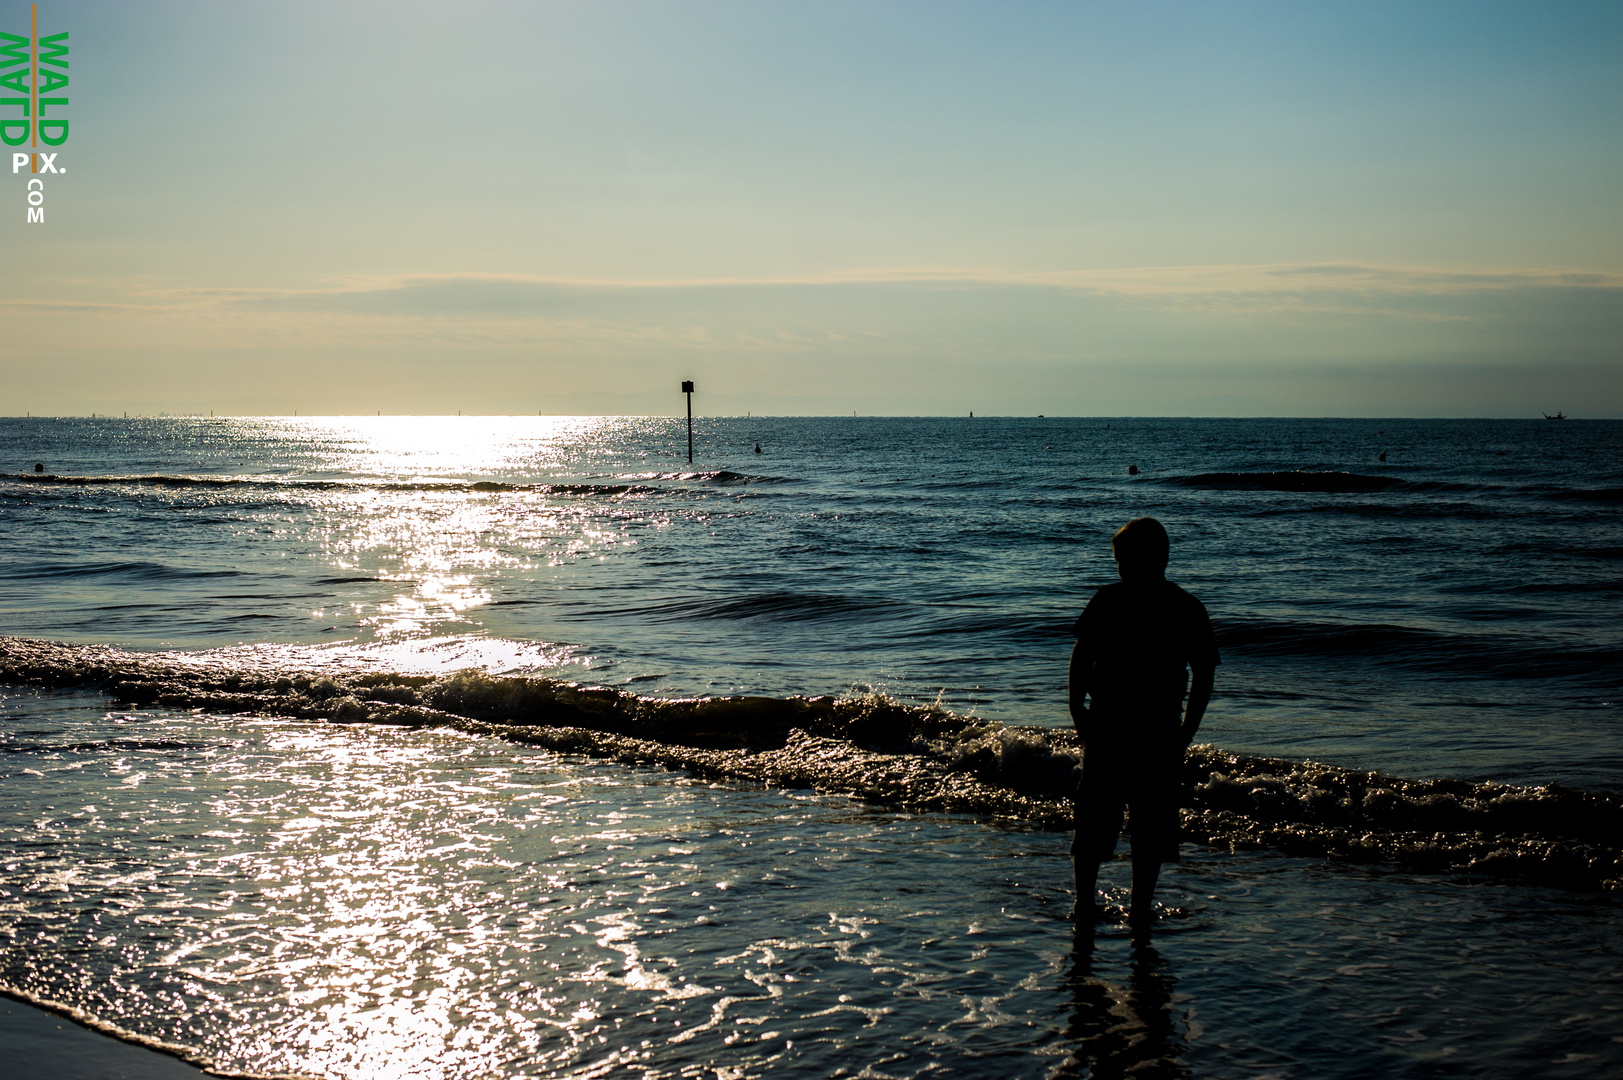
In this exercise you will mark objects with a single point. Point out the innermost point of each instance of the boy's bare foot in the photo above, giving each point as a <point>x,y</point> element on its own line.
<point>1094,912</point>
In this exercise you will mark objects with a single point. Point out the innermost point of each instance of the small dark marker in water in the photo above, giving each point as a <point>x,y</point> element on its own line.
<point>1132,470</point>
<point>1382,456</point>
<point>39,466</point>
<point>757,448</point>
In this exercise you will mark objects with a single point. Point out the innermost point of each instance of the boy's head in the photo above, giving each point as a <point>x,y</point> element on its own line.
<point>1141,548</point>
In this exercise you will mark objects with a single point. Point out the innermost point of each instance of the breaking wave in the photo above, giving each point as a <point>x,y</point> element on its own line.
<point>917,758</point>
<point>720,477</point>
<point>1330,481</point>
<point>255,482</point>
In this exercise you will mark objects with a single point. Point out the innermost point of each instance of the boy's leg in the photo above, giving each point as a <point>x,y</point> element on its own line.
<point>1146,870</point>
<point>1087,888</point>
<point>1099,805</point>
<point>1153,818</point>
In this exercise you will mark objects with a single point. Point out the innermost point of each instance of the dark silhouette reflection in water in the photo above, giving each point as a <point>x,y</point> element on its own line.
<point>1120,1031</point>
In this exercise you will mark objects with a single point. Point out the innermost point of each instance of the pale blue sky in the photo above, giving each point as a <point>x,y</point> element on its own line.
<point>818,207</point>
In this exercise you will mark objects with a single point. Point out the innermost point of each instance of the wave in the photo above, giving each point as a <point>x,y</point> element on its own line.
<point>917,758</point>
<point>1329,481</point>
<point>1603,495</point>
<point>134,570</point>
<point>722,477</point>
<point>773,606</point>
<point>1284,481</point>
<point>1500,655</point>
<point>727,477</point>
<point>254,482</point>
<point>1452,510</point>
<point>103,746</point>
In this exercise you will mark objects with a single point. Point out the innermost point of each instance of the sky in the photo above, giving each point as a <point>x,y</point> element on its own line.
<point>1164,209</point>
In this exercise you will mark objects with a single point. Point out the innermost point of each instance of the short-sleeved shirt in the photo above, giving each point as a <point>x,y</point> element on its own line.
<point>1143,637</point>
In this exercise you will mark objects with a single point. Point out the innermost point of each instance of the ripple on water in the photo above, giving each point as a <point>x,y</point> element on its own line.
<point>292,897</point>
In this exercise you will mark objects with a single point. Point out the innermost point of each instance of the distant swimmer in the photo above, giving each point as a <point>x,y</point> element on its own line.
<point>1137,642</point>
<point>1132,470</point>
<point>39,466</point>
<point>757,448</point>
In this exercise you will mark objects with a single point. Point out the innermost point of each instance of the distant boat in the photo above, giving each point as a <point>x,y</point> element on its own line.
<point>1559,415</point>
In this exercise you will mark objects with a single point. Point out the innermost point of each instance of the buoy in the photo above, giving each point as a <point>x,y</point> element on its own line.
<point>757,448</point>
<point>1382,457</point>
<point>39,466</point>
<point>1132,470</point>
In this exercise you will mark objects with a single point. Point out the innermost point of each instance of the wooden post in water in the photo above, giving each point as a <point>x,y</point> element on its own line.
<point>687,388</point>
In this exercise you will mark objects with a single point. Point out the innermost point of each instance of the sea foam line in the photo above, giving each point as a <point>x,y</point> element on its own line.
<point>917,758</point>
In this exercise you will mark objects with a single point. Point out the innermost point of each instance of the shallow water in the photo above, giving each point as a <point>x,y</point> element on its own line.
<point>280,896</point>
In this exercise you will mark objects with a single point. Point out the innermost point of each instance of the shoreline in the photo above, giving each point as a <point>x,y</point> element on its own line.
<point>48,1045</point>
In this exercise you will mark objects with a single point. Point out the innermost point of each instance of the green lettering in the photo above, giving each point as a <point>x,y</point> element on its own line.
<point>5,131</point>
<point>49,50</point>
<point>16,81</point>
<point>60,125</point>
<point>15,47</point>
<point>50,80</point>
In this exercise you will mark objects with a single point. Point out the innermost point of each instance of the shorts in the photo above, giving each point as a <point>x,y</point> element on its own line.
<point>1149,786</point>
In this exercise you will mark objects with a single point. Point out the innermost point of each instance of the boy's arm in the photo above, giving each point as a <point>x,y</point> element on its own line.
<point>1200,695</point>
<point>1081,668</point>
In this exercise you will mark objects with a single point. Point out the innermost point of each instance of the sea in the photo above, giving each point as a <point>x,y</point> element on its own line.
<point>456,747</point>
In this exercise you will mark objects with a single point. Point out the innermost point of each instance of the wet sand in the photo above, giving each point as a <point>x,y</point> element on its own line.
<point>37,1045</point>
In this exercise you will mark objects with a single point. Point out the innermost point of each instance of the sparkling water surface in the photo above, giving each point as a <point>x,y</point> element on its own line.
<point>354,901</point>
<point>277,896</point>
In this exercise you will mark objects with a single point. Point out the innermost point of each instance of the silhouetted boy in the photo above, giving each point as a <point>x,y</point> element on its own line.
<point>1136,641</point>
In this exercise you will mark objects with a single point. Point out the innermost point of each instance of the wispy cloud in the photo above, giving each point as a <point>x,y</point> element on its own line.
<point>1241,286</point>
<point>937,312</point>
